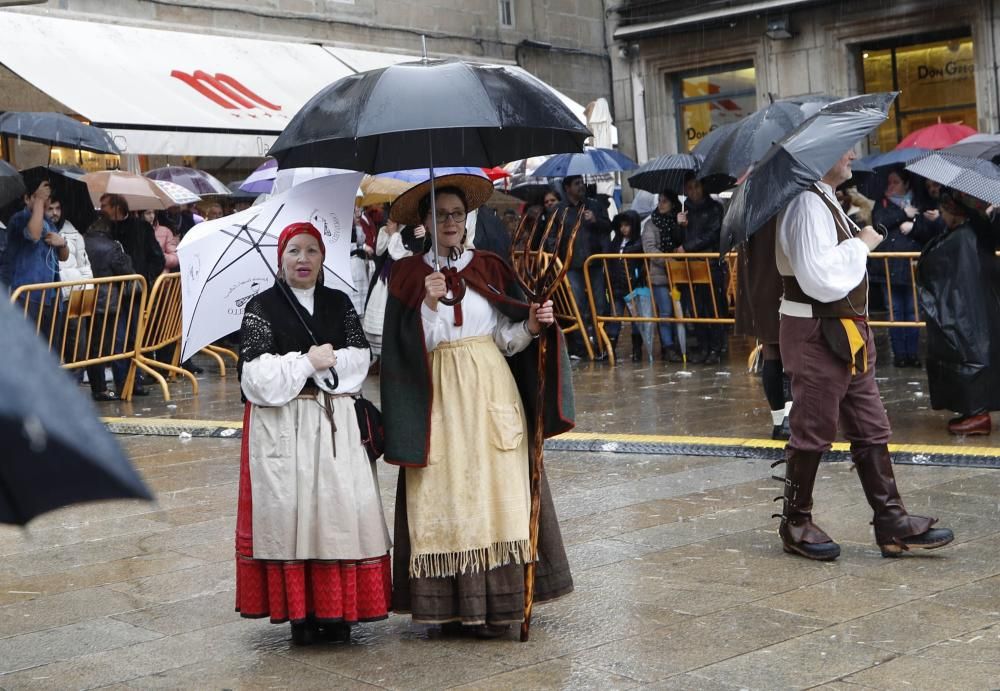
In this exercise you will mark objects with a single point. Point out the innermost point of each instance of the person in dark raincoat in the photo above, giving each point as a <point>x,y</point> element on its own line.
<point>626,277</point>
<point>958,282</point>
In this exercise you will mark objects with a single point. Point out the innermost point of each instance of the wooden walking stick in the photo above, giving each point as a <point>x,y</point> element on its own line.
<point>540,275</point>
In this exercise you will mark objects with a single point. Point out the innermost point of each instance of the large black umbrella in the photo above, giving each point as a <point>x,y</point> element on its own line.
<point>426,114</point>
<point>56,129</point>
<point>468,114</point>
<point>665,173</point>
<point>11,184</point>
<point>70,189</point>
<point>55,450</point>
<point>799,160</point>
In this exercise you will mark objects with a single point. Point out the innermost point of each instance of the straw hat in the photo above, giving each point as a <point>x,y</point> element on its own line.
<point>477,189</point>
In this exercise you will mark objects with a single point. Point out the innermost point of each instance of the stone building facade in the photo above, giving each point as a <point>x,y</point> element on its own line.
<point>683,67</point>
<point>563,42</point>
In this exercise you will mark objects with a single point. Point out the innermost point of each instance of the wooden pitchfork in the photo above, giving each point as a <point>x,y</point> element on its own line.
<point>540,276</point>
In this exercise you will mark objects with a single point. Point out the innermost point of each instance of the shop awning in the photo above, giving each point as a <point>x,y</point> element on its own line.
<point>168,92</point>
<point>173,92</point>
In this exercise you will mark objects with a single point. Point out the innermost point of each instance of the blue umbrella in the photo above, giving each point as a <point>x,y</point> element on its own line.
<point>590,162</point>
<point>896,157</point>
<point>418,175</point>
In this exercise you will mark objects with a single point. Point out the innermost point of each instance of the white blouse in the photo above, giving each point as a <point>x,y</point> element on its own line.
<point>274,380</point>
<point>479,318</point>
<point>807,246</point>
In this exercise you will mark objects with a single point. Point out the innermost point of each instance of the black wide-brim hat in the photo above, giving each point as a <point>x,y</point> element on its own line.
<point>477,189</point>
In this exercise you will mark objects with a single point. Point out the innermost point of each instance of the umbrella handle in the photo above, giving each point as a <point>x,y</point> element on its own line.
<point>336,380</point>
<point>457,296</point>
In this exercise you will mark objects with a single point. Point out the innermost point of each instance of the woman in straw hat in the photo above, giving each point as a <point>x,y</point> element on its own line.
<point>459,426</point>
<point>311,541</point>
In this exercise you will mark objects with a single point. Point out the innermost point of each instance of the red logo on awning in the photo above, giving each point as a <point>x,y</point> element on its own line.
<point>224,90</point>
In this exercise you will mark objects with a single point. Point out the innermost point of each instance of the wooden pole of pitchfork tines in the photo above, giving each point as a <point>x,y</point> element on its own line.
<point>540,273</point>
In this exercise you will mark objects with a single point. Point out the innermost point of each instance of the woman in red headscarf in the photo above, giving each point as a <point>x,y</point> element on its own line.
<point>311,540</point>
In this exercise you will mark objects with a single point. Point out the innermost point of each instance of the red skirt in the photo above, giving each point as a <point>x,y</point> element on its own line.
<point>327,591</point>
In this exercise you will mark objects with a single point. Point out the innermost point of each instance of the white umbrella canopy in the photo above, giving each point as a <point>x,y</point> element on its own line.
<point>141,193</point>
<point>179,195</point>
<point>226,262</point>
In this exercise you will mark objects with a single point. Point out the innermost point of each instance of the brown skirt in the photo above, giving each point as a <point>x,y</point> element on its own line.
<point>495,596</point>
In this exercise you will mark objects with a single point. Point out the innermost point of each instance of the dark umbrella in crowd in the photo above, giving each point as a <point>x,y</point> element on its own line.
<point>11,184</point>
<point>56,129</point>
<point>799,160</point>
<point>191,179</point>
<point>70,189</point>
<point>729,151</point>
<point>55,449</point>
<point>594,161</point>
<point>665,173</point>
<point>870,174</point>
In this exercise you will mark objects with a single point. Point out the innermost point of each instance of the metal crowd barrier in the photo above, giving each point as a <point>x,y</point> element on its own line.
<point>160,330</point>
<point>98,321</point>
<point>685,271</point>
<point>95,321</point>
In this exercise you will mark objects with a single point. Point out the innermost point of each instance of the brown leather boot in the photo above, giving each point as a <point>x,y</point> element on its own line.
<point>896,531</point>
<point>799,535</point>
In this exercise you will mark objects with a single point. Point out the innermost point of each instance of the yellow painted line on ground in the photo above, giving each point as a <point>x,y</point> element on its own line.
<point>936,449</point>
<point>946,449</point>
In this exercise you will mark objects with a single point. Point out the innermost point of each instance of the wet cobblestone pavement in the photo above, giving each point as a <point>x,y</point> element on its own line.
<point>680,579</point>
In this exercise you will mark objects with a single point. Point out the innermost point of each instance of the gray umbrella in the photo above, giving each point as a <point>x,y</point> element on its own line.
<point>56,129</point>
<point>799,160</point>
<point>11,184</point>
<point>975,176</point>
<point>730,150</point>
<point>55,449</point>
<point>665,173</point>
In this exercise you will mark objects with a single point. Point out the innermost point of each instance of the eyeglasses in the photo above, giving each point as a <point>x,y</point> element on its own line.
<point>456,216</point>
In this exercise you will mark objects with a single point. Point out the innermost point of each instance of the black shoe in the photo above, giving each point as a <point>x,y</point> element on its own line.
<point>337,632</point>
<point>671,355</point>
<point>929,539</point>
<point>105,396</point>
<point>697,357</point>
<point>491,630</point>
<point>782,431</point>
<point>191,367</point>
<point>713,358</point>
<point>303,633</point>
<point>140,391</point>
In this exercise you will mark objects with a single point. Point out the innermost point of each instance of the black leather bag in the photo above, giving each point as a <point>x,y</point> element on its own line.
<point>370,424</point>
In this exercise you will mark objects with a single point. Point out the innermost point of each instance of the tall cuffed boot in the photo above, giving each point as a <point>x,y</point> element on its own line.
<point>799,535</point>
<point>896,531</point>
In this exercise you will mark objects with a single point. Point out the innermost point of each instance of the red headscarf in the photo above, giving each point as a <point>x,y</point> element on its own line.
<point>298,229</point>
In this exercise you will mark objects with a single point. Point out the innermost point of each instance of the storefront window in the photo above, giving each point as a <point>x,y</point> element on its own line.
<point>708,99</point>
<point>936,81</point>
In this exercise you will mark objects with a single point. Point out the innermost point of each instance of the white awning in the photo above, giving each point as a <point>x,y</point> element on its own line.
<point>175,92</point>
<point>689,19</point>
<point>168,92</point>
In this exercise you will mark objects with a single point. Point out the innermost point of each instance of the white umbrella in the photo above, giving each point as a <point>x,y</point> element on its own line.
<point>180,195</point>
<point>288,178</point>
<point>226,262</point>
<point>140,192</point>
